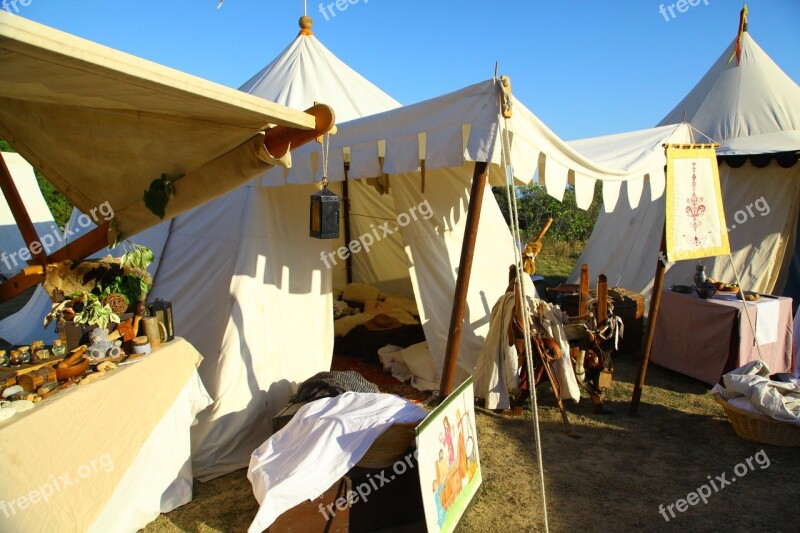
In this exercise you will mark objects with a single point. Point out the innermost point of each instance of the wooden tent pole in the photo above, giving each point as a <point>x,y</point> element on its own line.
<point>583,291</point>
<point>21,216</point>
<point>346,215</point>
<point>479,178</point>
<point>655,304</point>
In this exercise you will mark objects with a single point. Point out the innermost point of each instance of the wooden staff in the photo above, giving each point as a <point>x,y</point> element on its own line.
<point>544,230</point>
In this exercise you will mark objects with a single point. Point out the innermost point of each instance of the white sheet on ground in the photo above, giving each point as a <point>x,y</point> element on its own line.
<point>324,440</point>
<point>776,399</point>
<point>414,363</point>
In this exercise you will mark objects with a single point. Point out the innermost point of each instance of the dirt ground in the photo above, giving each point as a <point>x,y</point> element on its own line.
<point>611,479</point>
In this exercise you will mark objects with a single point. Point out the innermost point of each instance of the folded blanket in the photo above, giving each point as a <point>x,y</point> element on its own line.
<point>777,399</point>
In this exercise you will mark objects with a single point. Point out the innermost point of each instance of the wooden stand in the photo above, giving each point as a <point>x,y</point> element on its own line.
<point>655,303</point>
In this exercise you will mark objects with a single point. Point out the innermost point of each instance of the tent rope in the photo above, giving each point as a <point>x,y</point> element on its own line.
<point>505,144</point>
<point>744,306</point>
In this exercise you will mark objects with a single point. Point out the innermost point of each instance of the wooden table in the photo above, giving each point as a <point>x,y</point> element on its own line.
<point>107,456</point>
<point>704,339</point>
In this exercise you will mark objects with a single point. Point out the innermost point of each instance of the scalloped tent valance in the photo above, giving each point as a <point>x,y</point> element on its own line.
<point>460,128</point>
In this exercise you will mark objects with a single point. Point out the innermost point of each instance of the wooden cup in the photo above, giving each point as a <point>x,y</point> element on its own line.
<point>155,331</point>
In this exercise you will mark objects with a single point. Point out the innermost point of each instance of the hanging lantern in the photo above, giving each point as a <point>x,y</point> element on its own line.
<point>324,219</point>
<point>162,309</point>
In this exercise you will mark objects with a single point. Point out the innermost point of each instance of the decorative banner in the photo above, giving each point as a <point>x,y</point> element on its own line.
<point>695,216</point>
<point>449,467</point>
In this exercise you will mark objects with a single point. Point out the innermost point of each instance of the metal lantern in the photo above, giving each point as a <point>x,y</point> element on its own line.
<point>324,218</point>
<point>162,309</point>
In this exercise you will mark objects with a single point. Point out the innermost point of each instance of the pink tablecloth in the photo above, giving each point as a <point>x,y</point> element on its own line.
<point>704,339</point>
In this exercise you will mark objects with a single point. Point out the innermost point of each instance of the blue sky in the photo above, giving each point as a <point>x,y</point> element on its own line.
<point>584,67</point>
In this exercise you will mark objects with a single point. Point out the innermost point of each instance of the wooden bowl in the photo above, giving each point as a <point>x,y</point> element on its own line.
<point>73,371</point>
<point>706,290</point>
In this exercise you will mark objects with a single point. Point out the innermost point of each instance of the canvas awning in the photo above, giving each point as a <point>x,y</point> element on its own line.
<point>101,125</point>
<point>458,129</point>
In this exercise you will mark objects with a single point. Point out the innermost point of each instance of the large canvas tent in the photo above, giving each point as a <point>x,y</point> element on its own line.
<point>248,285</point>
<point>753,110</point>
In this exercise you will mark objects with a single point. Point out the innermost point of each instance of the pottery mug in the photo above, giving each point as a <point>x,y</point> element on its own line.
<point>155,331</point>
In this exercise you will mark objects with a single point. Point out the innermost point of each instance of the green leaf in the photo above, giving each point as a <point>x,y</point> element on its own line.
<point>158,195</point>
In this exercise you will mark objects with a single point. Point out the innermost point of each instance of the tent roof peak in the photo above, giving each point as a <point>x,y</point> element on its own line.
<point>306,23</point>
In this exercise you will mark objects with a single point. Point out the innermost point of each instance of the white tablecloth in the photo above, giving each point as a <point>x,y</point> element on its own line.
<point>108,456</point>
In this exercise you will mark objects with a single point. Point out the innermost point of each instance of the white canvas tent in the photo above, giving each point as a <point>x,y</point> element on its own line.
<point>753,110</point>
<point>248,285</point>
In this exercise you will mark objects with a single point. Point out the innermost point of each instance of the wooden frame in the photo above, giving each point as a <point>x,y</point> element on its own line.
<point>278,141</point>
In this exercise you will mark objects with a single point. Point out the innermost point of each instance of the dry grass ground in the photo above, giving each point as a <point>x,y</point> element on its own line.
<point>611,479</point>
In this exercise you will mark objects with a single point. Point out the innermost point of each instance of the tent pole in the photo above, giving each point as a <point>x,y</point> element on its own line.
<point>655,304</point>
<point>21,216</point>
<point>479,178</point>
<point>346,214</point>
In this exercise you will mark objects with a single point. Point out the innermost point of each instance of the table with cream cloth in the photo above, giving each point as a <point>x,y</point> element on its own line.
<point>109,456</point>
<point>704,339</point>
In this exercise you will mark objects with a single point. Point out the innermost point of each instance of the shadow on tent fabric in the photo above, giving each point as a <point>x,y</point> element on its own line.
<point>792,288</point>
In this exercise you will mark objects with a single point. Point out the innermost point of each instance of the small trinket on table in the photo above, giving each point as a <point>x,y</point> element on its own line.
<point>15,359</point>
<point>59,349</point>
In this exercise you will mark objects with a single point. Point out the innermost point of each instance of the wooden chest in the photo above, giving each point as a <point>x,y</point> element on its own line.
<point>34,379</point>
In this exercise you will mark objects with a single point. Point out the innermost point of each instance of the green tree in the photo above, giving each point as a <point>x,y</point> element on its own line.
<point>59,206</point>
<point>534,206</point>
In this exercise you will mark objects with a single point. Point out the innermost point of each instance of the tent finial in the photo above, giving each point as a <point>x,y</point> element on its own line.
<point>305,25</point>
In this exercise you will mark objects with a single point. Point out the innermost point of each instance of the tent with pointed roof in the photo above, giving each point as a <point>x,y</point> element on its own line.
<point>250,288</point>
<point>753,110</point>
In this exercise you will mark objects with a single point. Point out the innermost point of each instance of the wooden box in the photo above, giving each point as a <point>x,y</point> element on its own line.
<point>330,513</point>
<point>31,381</point>
<point>7,379</point>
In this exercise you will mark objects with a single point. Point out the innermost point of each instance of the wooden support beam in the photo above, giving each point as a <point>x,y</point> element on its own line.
<point>21,216</point>
<point>602,298</point>
<point>83,247</point>
<point>281,139</point>
<point>583,291</point>
<point>346,214</point>
<point>479,178</point>
<point>655,304</point>
<point>27,278</point>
